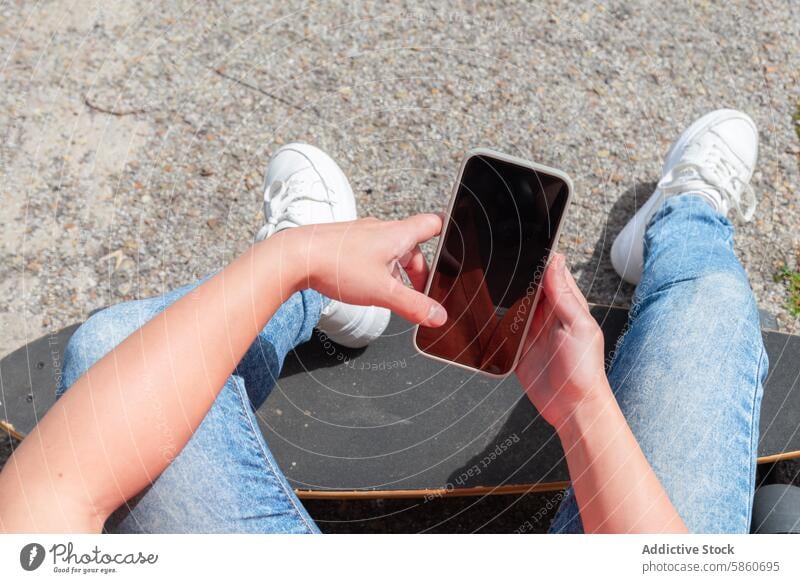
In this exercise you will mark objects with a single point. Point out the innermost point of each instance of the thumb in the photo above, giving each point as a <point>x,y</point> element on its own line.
<point>566,305</point>
<point>414,306</point>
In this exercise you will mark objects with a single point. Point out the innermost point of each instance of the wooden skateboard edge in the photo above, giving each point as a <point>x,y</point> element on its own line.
<point>430,493</point>
<point>9,429</point>
<point>510,489</point>
<point>778,457</point>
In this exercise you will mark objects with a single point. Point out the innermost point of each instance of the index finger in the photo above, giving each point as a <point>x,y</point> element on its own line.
<point>423,226</point>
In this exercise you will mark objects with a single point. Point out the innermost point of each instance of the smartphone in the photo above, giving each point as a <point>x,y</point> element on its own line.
<point>501,226</point>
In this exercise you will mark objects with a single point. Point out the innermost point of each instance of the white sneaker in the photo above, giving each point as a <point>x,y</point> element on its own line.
<point>715,158</point>
<point>304,186</point>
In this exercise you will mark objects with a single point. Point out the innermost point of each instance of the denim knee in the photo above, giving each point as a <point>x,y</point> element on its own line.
<point>703,294</point>
<point>98,336</point>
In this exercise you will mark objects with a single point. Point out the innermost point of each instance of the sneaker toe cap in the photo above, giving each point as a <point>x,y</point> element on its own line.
<point>740,134</point>
<point>285,162</point>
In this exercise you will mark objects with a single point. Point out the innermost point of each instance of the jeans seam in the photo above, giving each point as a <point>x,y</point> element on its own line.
<point>245,401</point>
<point>754,440</point>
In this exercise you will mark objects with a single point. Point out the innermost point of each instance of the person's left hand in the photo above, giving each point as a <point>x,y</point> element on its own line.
<point>562,364</point>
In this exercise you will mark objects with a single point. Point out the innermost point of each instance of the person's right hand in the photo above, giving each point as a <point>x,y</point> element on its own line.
<point>359,262</point>
<point>562,364</point>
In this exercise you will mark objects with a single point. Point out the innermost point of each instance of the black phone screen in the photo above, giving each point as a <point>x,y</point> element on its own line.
<point>497,239</point>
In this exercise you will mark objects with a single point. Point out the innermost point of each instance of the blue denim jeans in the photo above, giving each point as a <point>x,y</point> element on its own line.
<point>225,479</point>
<point>687,375</point>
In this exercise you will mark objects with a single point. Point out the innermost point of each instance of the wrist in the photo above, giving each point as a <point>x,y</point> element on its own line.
<point>286,255</point>
<point>588,415</point>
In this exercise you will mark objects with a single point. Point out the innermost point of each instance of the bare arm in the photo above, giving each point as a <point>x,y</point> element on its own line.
<point>616,489</point>
<point>563,375</point>
<point>104,440</point>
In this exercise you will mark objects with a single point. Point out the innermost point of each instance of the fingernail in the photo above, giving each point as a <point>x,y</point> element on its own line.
<point>436,315</point>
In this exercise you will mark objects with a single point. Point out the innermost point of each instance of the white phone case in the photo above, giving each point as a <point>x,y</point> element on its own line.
<point>488,153</point>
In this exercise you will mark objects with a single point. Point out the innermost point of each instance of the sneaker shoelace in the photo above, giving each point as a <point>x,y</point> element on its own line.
<point>282,204</point>
<point>714,170</point>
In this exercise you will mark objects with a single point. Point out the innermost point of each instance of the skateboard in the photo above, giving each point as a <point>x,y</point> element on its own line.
<point>386,422</point>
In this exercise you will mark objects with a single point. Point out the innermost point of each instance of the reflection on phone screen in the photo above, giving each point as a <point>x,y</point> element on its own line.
<point>502,227</point>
